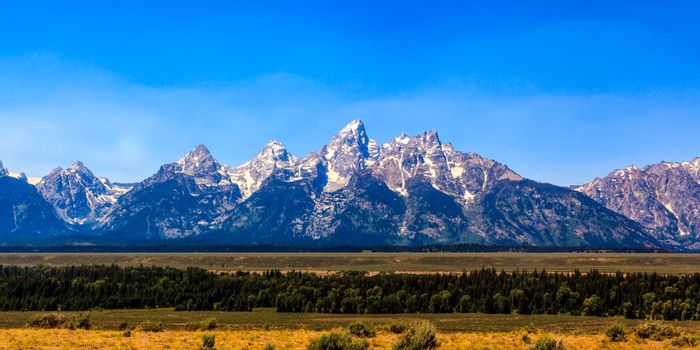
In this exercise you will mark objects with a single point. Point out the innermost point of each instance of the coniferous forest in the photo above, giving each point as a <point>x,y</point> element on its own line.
<point>637,295</point>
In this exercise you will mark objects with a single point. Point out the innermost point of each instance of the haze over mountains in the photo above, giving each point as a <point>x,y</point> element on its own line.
<point>412,190</point>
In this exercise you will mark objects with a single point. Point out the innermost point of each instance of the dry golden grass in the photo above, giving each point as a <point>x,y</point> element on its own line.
<point>19,338</point>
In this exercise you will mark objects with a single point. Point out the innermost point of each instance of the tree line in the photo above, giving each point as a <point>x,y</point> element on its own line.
<point>634,295</point>
<point>188,247</point>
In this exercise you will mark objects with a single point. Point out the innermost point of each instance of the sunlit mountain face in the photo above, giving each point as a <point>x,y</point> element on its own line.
<point>412,190</point>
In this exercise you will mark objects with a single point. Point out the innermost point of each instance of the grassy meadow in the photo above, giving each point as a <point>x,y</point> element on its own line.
<point>293,339</point>
<point>264,326</point>
<point>257,329</point>
<point>263,318</point>
<point>376,262</point>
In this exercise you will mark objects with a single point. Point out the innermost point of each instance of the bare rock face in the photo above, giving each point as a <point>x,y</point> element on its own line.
<point>78,196</point>
<point>271,159</point>
<point>184,198</point>
<point>412,190</point>
<point>24,213</point>
<point>664,198</point>
<point>346,154</point>
<point>460,175</point>
<point>416,190</point>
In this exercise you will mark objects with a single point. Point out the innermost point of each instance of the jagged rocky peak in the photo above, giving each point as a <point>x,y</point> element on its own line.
<point>663,197</point>
<point>19,176</point>
<point>630,170</point>
<point>616,178</point>
<point>350,139</point>
<point>77,171</point>
<point>693,167</point>
<point>80,169</point>
<point>406,157</point>
<point>197,160</point>
<point>274,151</point>
<point>273,157</point>
<point>346,154</point>
<point>197,163</point>
<point>77,195</point>
<point>425,157</point>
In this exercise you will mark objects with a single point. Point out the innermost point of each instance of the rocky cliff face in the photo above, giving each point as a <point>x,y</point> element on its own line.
<point>24,213</point>
<point>412,190</point>
<point>78,196</point>
<point>664,198</point>
<point>182,199</point>
<point>417,190</point>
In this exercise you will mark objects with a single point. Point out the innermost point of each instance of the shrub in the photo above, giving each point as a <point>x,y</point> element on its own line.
<point>656,331</point>
<point>80,321</point>
<point>593,306</point>
<point>52,320</point>
<point>269,346</point>
<point>548,344</point>
<point>526,339</point>
<point>361,330</point>
<point>616,333</point>
<point>338,341</point>
<point>685,340</point>
<point>204,325</point>
<point>126,334</point>
<point>420,336</point>
<point>58,320</point>
<point>123,326</point>
<point>208,342</point>
<point>150,326</point>
<point>395,327</point>
<point>530,328</point>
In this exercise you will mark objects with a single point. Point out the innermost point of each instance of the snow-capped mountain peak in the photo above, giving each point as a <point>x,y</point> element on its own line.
<point>346,154</point>
<point>351,138</point>
<point>78,196</point>
<point>196,161</point>
<point>354,127</point>
<point>200,165</point>
<point>6,172</point>
<point>425,157</point>
<point>274,151</point>
<point>79,167</point>
<point>693,167</point>
<point>411,190</point>
<point>273,157</point>
<point>663,197</point>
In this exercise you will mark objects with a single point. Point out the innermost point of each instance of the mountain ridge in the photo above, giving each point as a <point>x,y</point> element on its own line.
<point>663,197</point>
<point>411,190</point>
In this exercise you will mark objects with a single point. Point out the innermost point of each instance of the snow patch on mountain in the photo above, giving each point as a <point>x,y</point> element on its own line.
<point>274,157</point>
<point>77,195</point>
<point>663,197</point>
<point>346,154</point>
<point>425,158</point>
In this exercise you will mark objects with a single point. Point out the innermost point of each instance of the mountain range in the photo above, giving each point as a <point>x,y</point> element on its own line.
<point>410,191</point>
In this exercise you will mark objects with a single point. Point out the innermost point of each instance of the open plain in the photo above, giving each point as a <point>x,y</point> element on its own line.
<point>377,262</point>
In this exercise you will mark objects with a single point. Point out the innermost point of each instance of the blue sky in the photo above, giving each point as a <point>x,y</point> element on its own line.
<point>560,91</point>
